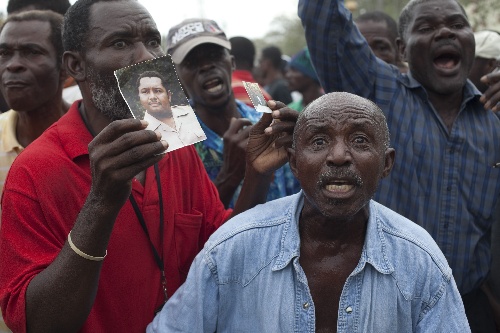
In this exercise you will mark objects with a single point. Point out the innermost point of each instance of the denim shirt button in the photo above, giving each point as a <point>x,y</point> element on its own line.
<point>348,309</point>
<point>306,305</point>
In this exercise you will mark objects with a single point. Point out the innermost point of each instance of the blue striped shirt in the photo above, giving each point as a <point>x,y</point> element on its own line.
<point>443,180</point>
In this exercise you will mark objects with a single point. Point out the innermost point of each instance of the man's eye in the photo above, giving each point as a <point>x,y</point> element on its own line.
<point>154,43</point>
<point>318,142</point>
<point>457,26</point>
<point>120,44</point>
<point>5,53</point>
<point>360,140</point>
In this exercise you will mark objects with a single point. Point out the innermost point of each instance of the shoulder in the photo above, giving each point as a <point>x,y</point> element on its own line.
<point>409,236</point>
<point>268,215</point>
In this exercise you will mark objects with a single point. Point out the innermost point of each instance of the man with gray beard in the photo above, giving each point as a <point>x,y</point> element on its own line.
<point>99,228</point>
<point>328,259</point>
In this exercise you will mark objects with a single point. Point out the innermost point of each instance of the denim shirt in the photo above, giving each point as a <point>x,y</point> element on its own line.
<point>248,279</point>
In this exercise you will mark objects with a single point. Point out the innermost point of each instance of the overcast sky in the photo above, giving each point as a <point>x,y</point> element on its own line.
<point>251,19</point>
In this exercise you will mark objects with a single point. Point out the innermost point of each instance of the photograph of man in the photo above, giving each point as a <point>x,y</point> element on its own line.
<point>177,123</point>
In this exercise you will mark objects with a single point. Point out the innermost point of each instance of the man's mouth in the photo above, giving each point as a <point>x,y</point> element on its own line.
<point>447,58</point>
<point>213,86</point>
<point>339,187</point>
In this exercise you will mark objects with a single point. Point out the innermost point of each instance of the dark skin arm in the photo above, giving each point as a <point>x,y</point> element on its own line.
<point>491,97</point>
<point>266,152</point>
<point>59,298</point>
<point>233,167</point>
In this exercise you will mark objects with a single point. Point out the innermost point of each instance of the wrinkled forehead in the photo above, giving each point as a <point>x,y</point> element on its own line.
<point>120,17</point>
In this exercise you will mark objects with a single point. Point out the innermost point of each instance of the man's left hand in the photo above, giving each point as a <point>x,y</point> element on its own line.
<point>270,138</point>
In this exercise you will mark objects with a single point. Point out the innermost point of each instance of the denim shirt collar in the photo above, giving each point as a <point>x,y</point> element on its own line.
<point>374,251</point>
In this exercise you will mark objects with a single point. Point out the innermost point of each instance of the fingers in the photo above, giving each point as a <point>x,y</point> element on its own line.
<point>238,132</point>
<point>491,96</point>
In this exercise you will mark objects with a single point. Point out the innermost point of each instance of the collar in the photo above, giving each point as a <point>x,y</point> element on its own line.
<point>8,138</point>
<point>470,91</point>
<point>74,135</point>
<point>373,251</point>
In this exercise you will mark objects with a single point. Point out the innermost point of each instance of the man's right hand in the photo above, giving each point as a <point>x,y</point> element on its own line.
<point>234,158</point>
<point>120,151</point>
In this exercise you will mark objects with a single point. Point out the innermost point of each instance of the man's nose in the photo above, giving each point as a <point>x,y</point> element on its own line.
<point>445,32</point>
<point>15,63</point>
<point>142,53</point>
<point>339,154</point>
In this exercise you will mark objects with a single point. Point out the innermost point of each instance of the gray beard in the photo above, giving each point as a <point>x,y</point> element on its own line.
<point>107,97</point>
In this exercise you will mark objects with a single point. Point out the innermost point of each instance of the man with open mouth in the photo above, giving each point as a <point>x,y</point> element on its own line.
<point>447,139</point>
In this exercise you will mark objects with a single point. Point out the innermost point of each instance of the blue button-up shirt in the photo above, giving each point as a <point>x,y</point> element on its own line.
<point>442,179</point>
<point>248,278</point>
<point>211,153</point>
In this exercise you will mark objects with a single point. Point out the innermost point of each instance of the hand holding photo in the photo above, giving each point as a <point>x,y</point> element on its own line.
<point>256,96</point>
<point>153,93</point>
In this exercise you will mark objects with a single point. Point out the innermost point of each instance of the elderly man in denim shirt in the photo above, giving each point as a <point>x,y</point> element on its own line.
<point>328,259</point>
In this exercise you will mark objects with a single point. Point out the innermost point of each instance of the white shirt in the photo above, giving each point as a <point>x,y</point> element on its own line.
<point>187,128</point>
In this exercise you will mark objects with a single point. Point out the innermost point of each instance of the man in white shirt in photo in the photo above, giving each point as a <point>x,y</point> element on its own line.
<point>177,123</point>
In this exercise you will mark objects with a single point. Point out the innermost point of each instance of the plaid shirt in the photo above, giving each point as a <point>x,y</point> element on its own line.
<point>211,153</point>
<point>442,179</point>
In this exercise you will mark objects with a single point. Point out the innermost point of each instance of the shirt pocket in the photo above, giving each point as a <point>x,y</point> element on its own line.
<point>187,239</point>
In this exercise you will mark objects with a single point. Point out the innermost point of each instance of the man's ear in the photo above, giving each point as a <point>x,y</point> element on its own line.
<point>292,162</point>
<point>390,155</point>
<point>74,65</point>
<point>401,48</point>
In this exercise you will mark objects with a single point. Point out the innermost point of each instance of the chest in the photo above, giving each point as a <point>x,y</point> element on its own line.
<point>326,276</point>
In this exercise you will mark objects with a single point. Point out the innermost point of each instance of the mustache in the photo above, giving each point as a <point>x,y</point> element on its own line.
<point>336,173</point>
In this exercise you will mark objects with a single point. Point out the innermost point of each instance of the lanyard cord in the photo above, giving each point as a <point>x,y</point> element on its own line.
<point>138,212</point>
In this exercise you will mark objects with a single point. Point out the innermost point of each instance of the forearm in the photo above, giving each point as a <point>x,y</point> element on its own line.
<point>253,191</point>
<point>226,186</point>
<point>61,296</point>
<point>340,54</point>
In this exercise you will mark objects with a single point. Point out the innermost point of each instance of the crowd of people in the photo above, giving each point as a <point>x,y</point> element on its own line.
<point>366,201</point>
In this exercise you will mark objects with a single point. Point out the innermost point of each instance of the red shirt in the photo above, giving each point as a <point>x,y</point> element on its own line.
<point>44,192</point>
<point>239,90</point>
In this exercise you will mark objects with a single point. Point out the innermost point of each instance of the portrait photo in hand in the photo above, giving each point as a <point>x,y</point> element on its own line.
<point>153,93</point>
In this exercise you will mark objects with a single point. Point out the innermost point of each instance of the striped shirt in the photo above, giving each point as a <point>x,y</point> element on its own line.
<point>442,179</point>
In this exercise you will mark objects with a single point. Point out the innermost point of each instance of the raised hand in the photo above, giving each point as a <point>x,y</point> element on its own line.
<point>119,152</point>
<point>270,137</point>
<point>491,97</point>
<point>233,167</point>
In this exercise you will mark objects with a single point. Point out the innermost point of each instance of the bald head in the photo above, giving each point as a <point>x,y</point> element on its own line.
<point>336,104</point>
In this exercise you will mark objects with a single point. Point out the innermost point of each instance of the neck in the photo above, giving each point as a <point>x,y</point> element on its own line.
<point>314,226</point>
<point>447,106</point>
<point>93,118</point>
<point>31,124</point>
<point>219,118</point>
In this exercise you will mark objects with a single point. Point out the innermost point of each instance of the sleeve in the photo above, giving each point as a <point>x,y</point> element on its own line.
<point>341,56</point>
<point>27,246</point>
<point>446,314</point>
<point>194,307</point>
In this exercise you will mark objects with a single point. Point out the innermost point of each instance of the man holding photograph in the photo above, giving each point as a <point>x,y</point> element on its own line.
<point>98,227</point>
<point>177,123</point>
